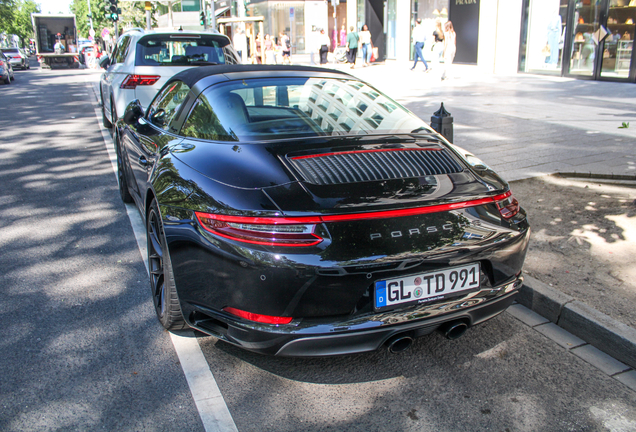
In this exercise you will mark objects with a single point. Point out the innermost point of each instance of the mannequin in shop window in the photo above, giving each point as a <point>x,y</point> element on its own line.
<point>554,38</point>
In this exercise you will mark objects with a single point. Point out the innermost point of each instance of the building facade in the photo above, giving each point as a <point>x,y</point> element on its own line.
<point>587,39</point>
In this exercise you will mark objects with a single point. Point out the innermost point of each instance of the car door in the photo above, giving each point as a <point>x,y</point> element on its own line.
<point>153,133</point>
<point>115,74</point>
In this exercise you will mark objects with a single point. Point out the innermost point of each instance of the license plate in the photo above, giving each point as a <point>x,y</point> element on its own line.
<point>426,287</point>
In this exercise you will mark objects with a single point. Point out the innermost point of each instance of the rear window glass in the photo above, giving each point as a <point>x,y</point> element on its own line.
<point>10,50</point>
<point>267,109</point>
<point>180,50</point>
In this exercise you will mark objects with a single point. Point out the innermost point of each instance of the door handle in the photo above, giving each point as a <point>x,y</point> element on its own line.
<point>143,161</point>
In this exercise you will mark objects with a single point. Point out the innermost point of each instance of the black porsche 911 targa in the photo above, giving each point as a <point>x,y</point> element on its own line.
<point>298,211</point>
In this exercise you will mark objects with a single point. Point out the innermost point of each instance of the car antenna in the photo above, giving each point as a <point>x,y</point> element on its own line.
<point>181,28</point>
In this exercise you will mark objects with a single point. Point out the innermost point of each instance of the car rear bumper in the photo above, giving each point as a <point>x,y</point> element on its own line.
<point>355,335</point>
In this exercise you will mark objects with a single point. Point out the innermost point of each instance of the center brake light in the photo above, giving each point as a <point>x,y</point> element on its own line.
<point>132,81</point>
<point>299,231</point>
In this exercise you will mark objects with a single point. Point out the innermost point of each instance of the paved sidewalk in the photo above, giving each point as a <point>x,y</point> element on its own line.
<point>522,125</point>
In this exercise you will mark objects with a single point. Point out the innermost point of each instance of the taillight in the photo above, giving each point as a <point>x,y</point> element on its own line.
<point>267,319</point>
<point>262,231</point>
<point>133,81</point>
<point>508,207</point>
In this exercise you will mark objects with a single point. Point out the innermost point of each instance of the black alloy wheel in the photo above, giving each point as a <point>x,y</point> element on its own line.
<point>164,294</point>
<point>107,124</point>
<point>122,179</point>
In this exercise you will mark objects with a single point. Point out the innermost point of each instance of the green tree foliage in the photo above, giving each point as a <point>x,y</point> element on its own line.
<point>133,14</point>
<point>80,9</point>
<point>15,18</point>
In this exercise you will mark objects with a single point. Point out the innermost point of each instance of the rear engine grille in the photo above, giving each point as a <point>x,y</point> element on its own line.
<point>371,165</point>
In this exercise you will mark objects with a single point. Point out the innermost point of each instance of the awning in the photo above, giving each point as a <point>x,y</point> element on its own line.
<point>218,12</point>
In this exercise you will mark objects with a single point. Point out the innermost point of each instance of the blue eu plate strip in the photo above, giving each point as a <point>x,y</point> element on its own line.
<point>380,294</point>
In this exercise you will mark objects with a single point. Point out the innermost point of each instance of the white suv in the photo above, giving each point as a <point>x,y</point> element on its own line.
<point>143,61</point>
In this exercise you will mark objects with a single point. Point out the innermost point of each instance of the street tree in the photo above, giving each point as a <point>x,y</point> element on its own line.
<point>16,19</point>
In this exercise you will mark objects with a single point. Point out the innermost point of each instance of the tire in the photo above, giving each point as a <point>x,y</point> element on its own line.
<point>107,124</point>
<point>113,111</point>
<point>122,179</point>
<point>164,293</point>
<point>8,80</point>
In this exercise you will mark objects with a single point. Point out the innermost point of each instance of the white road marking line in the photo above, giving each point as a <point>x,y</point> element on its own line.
<point>215,415</point>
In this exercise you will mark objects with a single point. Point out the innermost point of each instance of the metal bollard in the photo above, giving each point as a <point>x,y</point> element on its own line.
<point>442,122</point>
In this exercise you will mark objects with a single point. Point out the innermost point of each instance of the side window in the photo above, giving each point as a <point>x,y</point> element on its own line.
<point>203,123</point>
<point>166,105</point>
<point>119,56</point>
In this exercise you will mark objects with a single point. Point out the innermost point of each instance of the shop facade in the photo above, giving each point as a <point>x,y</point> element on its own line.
<point>588,39</point>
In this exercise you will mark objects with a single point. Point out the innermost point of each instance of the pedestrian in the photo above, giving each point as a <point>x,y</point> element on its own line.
<point>419,39</point>
<point>450,48</point>
<point>367,45</point>
<point>240,44</point>
<point>285,44</point>
<point>324,42</point>
<point>259,46</point>
<point>352,46</point>
<point>270,51</point>
<point>438,47</point>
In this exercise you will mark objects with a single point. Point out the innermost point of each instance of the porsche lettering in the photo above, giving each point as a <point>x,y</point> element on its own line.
<point>424,230</point>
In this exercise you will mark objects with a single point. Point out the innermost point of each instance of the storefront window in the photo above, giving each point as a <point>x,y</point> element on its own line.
<point>430,12</point>
<point>545,36</point>
<point>391,29</point>
<point>287,17</point>
<point>621,26</point>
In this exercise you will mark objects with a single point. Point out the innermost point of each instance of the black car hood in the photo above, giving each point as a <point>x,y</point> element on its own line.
<point>342,174</point>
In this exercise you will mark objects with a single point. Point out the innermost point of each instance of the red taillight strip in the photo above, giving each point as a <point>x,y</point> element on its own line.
<point>364,151</point>
<point>415,211</point>
<point>265,243</point>
<point>261,220</point>
<point>354,216</point>
<point>267,319</point>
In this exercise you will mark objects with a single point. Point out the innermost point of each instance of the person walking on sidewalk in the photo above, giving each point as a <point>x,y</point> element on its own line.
<point>367,45</point>
<point>438,47</point>
<point>352,46</point>
<point>419,39</point>
<point>324,42</point>
<point>450,48</point>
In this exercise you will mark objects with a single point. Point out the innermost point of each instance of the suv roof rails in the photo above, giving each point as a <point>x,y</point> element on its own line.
<point>139,29</point>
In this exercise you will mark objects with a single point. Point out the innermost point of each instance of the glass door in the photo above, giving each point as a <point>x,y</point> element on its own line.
<point>617,46</point>
<point>585,33</point>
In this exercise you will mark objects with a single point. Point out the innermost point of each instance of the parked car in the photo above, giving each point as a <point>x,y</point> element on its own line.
<point>17,57</point>
<point>6,70</point>
<point>143,61</point>
<point>298,211</point>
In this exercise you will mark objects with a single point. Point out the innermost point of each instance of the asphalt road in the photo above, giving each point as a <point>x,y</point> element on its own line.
<point>82,350</point>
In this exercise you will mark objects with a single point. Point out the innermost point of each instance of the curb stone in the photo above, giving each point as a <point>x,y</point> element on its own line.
<point>603,332</point>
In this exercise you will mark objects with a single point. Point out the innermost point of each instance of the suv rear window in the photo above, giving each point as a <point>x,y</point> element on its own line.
<point>10,50</point>
<point>180,50</point>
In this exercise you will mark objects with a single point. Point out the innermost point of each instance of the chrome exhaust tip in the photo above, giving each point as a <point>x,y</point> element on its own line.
<point>454,330</point>
<point>399,343</point>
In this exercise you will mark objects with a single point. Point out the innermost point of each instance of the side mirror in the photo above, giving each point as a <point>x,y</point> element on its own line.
<point>133,112</point>
<point>104,62</point>
<point>159,118</point>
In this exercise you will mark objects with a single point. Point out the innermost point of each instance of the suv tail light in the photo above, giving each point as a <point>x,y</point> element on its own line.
<point>132,81</point>
<point>508,207</point>
<point>262,231</point>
